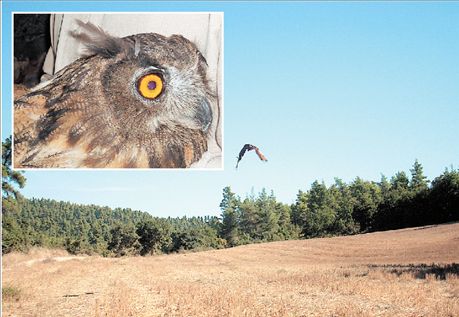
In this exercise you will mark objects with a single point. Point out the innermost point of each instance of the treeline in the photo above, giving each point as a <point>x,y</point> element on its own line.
<point>93,229</point>
<point>342,209</point>
<point>255,219</point>
<point>339,209</point>
<point>110,232</point>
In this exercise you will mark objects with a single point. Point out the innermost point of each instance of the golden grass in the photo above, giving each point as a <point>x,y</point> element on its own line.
<point>380,274</point>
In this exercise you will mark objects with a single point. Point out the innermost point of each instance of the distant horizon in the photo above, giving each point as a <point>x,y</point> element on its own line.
<point>242,196</point>
<point>325,89</point>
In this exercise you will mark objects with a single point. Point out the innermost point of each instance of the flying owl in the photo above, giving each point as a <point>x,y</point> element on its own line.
<point>250,147</point>
<point>139,101</point>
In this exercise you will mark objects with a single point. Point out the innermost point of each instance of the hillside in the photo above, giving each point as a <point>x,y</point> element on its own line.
<point>339,209</point>
<point>408,272</point>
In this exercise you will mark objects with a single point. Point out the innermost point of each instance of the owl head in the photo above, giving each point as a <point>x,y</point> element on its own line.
<point>139,101</point>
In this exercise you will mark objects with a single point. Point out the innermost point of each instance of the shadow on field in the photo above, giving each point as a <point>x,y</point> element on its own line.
<point>426,227</point>
<point>420,271</point>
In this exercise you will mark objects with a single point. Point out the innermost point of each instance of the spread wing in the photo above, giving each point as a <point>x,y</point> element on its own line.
<point>245,148</point>
<point>250,147</point>
<point>260,155</point>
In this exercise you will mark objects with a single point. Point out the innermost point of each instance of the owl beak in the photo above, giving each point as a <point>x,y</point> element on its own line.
<point>204,115</point>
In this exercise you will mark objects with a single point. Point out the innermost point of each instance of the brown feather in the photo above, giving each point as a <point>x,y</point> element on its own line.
<point>89,116</point>
<point>99,42</point>
<point>260,155</point>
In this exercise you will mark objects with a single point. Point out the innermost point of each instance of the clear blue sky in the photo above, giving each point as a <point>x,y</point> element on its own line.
<point>325,89</point>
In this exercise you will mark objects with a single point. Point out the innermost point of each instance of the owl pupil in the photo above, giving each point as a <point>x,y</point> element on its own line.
<point>151,85</point>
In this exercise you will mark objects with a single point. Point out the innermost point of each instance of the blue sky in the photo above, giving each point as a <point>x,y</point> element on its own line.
<point>325,89</point>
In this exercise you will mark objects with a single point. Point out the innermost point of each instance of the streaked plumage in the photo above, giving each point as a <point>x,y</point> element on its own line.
<point>93,113</point>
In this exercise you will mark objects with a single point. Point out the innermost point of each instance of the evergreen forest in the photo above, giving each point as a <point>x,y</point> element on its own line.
<point>403,200</point>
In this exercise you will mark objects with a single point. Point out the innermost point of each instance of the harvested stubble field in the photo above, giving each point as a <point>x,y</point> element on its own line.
<point>410,272</point>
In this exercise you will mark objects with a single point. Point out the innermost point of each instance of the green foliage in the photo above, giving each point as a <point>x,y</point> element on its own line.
<point>385,187</point>
<point>339,209</point>
<point>88,229</point>
<point>300,209</point>
<point>249,220</point>
<point>230,217</point>
<point>124,240</point>
<point>321,211</point>
<point>364,206</point>
<point>13,237</point>
<point>197,238</point>
<point>315,211</point>
<point>344,202</point>
<point>418,181</point>
<point>10,178</point>
<point>287,229</point>
<point>400,187</point>
<point>366,196</point>
<point>269,217</point>
<point>195,233</point>
<point>255,219</point>
<point>154,236</point>
<point>444,197</point>
<point>11,293</point>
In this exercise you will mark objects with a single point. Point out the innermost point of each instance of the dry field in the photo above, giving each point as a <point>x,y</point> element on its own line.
<point>410,272</point>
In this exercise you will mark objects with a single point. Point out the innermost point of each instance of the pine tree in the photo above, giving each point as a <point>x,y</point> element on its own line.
<point>300,209</point>
<point>418,181</point>
<point>154,236</point>
<point>344,202</point>
<point>124,240</point>
<point>287,230</point>
<point>400,182</point>
<point>316,211</point>
<point>444,197</point>
<point>10,178</point>
<point>230,217</point>
<point>367,197</point>
<point>249,222</point>
<point>269,219</point>
<point>13,237</point>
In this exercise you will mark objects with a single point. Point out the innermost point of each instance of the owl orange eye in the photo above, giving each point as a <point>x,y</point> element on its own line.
<point>150,86</point>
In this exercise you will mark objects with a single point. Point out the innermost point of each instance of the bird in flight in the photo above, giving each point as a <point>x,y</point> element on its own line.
<point>250,147</point>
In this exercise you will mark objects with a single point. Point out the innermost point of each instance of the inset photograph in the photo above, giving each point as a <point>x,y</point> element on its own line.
<point>118,90</point>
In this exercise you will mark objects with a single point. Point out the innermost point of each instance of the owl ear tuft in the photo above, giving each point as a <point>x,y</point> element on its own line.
<point>99,42</point>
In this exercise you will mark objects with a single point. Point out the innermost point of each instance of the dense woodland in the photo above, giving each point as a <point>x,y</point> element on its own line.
<point>404,200</point>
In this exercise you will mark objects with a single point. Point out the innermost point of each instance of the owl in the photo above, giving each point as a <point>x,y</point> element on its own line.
<point>141,101</point>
